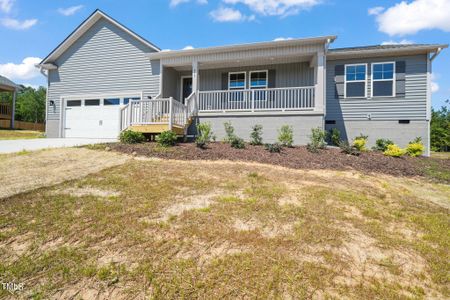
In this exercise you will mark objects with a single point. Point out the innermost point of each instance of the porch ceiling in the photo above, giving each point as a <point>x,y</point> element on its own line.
<point>243,63</point>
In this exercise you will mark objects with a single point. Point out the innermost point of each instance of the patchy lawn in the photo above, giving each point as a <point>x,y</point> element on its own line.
<point>7,134</point>
<point>299,158</point>
<point>24,171</point>
<point>163,229</point>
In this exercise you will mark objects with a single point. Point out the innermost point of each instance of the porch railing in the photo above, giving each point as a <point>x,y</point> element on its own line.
<point>274,99</point>
<point>5,111</point>
<point>157,111</point>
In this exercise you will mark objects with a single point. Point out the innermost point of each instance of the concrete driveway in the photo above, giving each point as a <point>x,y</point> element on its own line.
<point>11,146</point>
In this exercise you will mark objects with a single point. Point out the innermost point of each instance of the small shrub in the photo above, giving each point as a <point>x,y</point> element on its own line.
<point>286,136</point>
<point>229,131</point>
<point>274,148</point>
<point>360,143</point>
<point>131,137</point>
<point>382,144</point>
<point>256,135</point>
<point>237,142</point>
<point>167,139</point>
<point>334,136</point>
<point>394,151</point>
<point>204,135</point>
<point>348,149</point>
<point>317,140</point>
<point>415,149</point>
<point>417,140</point>
<point>362,136</point>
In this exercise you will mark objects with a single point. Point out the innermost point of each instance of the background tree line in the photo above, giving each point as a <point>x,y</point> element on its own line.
<point>30,103</point>
<point>440,128</point>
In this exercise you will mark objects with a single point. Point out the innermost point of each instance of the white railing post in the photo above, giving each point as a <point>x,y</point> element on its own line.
<point>253,100</point>
<point>170,113</point>
<point>130,112</point>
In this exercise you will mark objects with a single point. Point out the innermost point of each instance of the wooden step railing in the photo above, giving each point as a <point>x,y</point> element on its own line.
<point>156,111</point>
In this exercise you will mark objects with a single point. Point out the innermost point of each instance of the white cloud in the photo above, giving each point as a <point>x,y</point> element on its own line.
<point>410,17</point>
<point>23,71</point>
<point>402,42</point>
<point>276,7</point>
<point>227,14</point>
<point>70,10</point>
<point>434,84</point>
<point>6,5</point>
<point>374,11</point>
<point>282,39</point>
<point>18,25</point>
<point>188,47</point>
<point>174,3</point>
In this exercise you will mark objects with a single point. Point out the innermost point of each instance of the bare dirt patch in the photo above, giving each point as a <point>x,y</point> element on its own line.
<point>24,172</point>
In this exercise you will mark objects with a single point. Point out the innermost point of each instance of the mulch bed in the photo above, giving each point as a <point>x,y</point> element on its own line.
<point>297,157</point>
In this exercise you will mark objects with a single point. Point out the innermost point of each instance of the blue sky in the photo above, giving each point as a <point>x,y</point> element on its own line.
<point>30,29</point>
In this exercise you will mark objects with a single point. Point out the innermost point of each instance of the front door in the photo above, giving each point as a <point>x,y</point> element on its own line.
<point>186,88</point>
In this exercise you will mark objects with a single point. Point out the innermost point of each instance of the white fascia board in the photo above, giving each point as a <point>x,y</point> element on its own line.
<point>243,47</point>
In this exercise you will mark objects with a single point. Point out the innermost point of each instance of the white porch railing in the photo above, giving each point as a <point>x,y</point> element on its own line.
<point>157,111</point>
<point>275,99</point>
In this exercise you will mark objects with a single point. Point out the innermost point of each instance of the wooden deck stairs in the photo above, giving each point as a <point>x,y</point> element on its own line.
<point>157,115</point>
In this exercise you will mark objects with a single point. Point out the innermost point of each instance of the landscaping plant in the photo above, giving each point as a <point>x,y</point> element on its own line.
<point>131,137</point>
<point>360,142</point>
<point>237,142</point>
<point>286,136</point>
<point>334,136</point>
<point>274,148</point>
<point>256,135</point>
<point>382,144</point>
<point>349,149</point>
<point>229,132</point>
<point>394,151</point>
<point>204,135</point>
<point>317,140</point>
<point>167,138</point>
<point>415,148</point>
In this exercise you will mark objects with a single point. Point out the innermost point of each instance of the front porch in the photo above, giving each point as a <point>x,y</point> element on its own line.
<point>274,78</point>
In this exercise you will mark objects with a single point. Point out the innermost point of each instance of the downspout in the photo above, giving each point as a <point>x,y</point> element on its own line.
<point>439,50</point>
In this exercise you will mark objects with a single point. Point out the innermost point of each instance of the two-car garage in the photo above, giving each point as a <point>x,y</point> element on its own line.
<point>94,116</point>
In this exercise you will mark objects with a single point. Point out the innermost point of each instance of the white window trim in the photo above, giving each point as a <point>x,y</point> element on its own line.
<point>345,80</point>
<point>394,76</point>
<point>258,86</point>
<point>237,88</point>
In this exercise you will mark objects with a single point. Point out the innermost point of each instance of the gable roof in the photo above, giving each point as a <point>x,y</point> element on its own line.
<point>85,26</point>
<point>5,83</point>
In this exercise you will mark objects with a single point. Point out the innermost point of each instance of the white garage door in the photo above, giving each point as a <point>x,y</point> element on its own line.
<point>93,117</point>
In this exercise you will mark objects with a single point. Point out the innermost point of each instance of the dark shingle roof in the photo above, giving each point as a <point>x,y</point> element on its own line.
<point>6,82</point>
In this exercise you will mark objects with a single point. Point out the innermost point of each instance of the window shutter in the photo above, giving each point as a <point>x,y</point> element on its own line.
<point>224,81</point>
<point>271,79</point>
<point>339,76</point>
<point>400,70</point>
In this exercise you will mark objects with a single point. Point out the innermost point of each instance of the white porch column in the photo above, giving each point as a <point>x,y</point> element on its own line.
<point>13,108</point>
<point>195,76</point>
<point>320,73</point>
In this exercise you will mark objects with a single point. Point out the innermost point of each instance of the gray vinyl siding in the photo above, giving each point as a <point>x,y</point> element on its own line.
<point>104,60</point>
<point>413,106</point>
<point>286,75</point>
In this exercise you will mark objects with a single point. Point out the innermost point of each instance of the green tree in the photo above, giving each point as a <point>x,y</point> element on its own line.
<point>30,104</point>
<point>440,128</point>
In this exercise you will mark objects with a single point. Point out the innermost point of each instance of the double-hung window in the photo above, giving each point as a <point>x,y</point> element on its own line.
<point>383,75</point>
<point>355,81</point>
<point>258,79</point>
<point>236,80</point>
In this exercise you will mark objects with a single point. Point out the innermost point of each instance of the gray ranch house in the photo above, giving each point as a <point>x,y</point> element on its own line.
<point>104,78</point>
